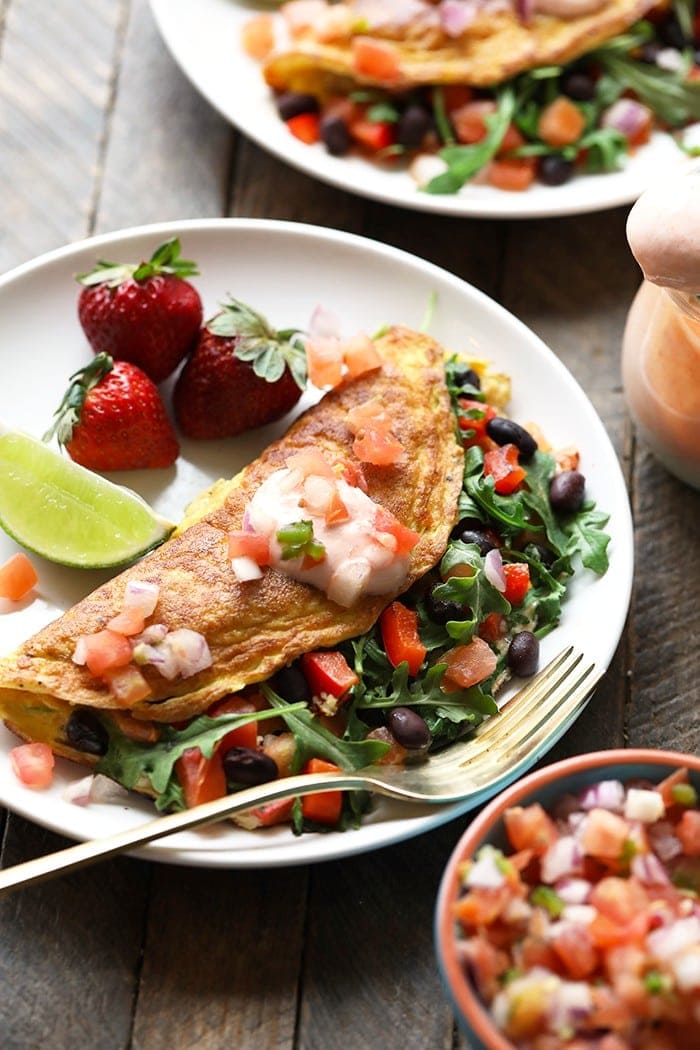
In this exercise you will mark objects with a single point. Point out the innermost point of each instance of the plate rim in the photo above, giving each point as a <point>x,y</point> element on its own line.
<point>504,207</point>
<point>342,845</point>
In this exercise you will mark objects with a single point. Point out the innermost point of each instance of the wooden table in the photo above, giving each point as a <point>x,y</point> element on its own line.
<point>99,130</point>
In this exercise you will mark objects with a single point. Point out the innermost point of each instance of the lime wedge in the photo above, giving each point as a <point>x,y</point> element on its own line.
<point>68,514</point>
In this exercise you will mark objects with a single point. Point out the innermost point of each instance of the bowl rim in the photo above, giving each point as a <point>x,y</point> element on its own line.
<point>464,998</point>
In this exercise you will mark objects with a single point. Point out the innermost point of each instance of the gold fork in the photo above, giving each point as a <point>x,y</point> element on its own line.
<point>500,749</point>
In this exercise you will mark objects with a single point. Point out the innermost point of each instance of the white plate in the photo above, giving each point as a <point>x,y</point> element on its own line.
<point>204,38</point>
<point>284,270</point>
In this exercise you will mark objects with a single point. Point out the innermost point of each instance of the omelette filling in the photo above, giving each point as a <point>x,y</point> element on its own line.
<point>507,94</point>
<point>424,676</point>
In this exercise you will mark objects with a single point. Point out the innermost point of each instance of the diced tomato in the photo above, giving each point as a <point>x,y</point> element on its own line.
<point>512,139</point>
<point>501,464</point>
<point>380,448</point>
<point>688,831</point>
<point>324,807</point>
<point>486,964</point>
<point>482,906</point>
<point>354,475</point>
<point>605,835</point>
<point>561,123</point>
<point>370,413</point>
<point>619,899</point>
<point>493,627</point>
<point>468,664</point>
<point>512,173</point>
<point>33,764</point>
<point>17,577</point>
<point>643,133</point>
<point>529,827</point>
<point>266,816</point>
<point>374,135</point>
<point>242,736</point>
<point>249,545</point>
<point>406,539</point>
<point>476,428</point>
<point>104,651</point>
<point>258,37</point>
<point>377,59</point>
<point>534,951</point>
<point>126,684</point>
<point>396,755</point>
<point>306,127</point>
<point>399,627</point>
<point>311,461</point>
<point>127,622</point>
<point>201,779</point>
<point>360,355</point>
<point>606,933</point>
<point>517,576</point>
<point>341,106</point>
<point>324,361</point>
<point>456,95</point>
<point>575,949</point>
<point>328,672</point>
<point>469,120</point>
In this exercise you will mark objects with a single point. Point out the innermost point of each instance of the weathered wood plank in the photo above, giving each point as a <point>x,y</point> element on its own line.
<point>221,959</point>
<point>54,115</point>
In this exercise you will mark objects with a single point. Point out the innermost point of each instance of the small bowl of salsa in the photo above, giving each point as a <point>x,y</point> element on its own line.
<point>568,916</point>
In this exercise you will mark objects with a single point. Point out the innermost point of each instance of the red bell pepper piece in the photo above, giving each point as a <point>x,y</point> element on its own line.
<point>326,806</point>
<point>477,425</point>
<point>201,779</point>
<point>399,627</point>
<point>517,576</point>
<point>502,465</point>
<point>328,672</point>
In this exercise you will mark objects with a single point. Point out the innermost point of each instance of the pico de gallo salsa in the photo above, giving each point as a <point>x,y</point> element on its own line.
<point>585,935</point>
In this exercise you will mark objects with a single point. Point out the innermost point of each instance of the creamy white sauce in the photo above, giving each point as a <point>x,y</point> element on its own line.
<point>663,230</point>
<point>358,560</point>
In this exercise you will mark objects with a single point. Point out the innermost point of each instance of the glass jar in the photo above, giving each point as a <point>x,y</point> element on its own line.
<point>661,376</point>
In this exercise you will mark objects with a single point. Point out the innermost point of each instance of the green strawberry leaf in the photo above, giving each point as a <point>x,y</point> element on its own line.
<point>165,260</point>
<point>67,415</point>
<point>269,352</point>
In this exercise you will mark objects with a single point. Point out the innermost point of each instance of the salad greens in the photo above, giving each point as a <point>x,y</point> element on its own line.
<point>548,545</point>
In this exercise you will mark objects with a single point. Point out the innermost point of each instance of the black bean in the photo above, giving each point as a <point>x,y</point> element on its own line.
<point>85,732</point>
<point>671,34</point>
<point>294,103</point>
<point>579,86</point>
<point>466,523</point>
<point>291,685</point>
<point>506,432</point>
<point>440,610</point>
<point>243,765</point>
<point>566,491</point>
<point>372,716</point>
<point>483,539</point>
<point>524,654</point>
<point>463,377</point>
<point>408,728</point>
<point>554,170</point>
<point>413,125</point>
<point>650,51</point>
<point>335,135</point>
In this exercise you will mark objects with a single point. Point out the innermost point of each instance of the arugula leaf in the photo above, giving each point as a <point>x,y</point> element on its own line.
<point>539,472</point>
<point>509,511</point>
<point>127,761</point>
<point>586,537</point>
<point>464,162</point>
<point>606,148</point>
<point>313,740</point>
<point>474,592</point>
<point>672,97</point>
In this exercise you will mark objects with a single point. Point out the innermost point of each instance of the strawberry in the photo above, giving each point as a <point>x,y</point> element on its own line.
<point>241,375</point>
<point>112,418</point>
<point>147,314</point>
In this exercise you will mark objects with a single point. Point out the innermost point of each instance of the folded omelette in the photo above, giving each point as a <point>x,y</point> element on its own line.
<point>473,42</point>
<point>254,628</point>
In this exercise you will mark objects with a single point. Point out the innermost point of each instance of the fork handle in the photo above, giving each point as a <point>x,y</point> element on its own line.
<point>40,869</point>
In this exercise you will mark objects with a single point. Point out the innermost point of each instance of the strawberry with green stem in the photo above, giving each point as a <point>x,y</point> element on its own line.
<point>146,313</point>
<point>112,418</point>
<point>242,374</point>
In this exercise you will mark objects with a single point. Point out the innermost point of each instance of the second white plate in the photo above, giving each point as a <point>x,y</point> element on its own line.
<point>204,39</point>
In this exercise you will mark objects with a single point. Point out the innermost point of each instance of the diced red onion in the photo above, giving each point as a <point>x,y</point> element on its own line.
<point>668,941</point>
<point>190,650</point>
<point>456,16</point>
<point>525,9</point>
<point>645,806</point>
<point>569,1005</point>
<point>493,569</point>
<point>246,525</point>
<point>245,569</point>
<point>151,635</point>
<point>142,596</point>
<point>485,872</point>
<point>572,890</point>
<point>348,581</point>
<point>670,59</point>
<point>607,794</point>
<point>579,914</point>
<point>324,324</point>
<point>649,870</point>
<point>627,116</point>
<point>426,166</point>
<point>79,653</point>
<point>563,857</point>
<point>686,969</point>
<point>95,788</point>
<point>79,791</point>
<point>664,842</point>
